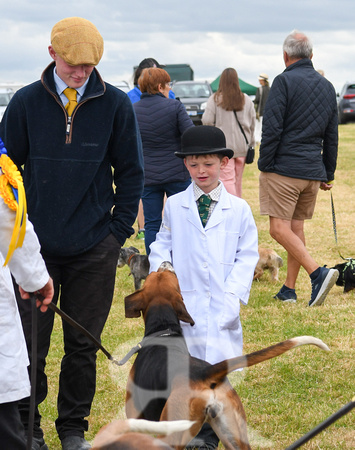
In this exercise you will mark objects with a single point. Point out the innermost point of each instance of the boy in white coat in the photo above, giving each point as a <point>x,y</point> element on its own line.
<point>29,270</point>
<point>215,261</point>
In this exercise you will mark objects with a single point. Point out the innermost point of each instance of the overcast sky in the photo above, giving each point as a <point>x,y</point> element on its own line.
<point>208,35</point>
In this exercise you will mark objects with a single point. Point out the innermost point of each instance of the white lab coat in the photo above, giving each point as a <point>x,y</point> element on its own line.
<point>30,273</point>
<point>215,268</point>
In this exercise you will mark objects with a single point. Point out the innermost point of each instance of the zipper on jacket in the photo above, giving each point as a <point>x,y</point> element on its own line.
<point>68,126</point>
<point>68,131</point>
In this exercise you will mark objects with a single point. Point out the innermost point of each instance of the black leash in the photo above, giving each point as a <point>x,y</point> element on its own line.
<point>85,332</point>
<point>331,419</point>
<point>335,228</point>
<point>31,418</point>
<point>98,344</point>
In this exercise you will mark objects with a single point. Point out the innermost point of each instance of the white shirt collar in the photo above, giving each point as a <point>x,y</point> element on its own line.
<point>214,194</point>
<point>60,86</point>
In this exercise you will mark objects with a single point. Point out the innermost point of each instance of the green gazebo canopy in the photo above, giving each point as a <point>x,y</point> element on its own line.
<point>247,88</point>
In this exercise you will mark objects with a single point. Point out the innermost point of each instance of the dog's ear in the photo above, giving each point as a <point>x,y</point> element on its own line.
<point>181,311</point>
<point>134,304</point>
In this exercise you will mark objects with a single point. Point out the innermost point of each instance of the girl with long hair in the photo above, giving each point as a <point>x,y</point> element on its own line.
<point>224,109</point>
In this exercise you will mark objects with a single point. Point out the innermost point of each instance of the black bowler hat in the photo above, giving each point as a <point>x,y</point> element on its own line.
<point>203,140</point>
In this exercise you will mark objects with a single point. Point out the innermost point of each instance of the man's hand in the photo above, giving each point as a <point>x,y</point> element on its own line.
<point>325,186</point>
<point>46,292</point>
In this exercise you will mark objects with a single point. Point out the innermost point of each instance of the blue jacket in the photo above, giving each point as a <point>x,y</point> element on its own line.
<point>162,121</point>
<point>69,171</point>
<point>134,94</point>
<point>300,125</point>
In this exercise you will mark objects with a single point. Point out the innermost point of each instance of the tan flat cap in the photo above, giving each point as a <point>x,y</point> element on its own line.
<point>77,41</point>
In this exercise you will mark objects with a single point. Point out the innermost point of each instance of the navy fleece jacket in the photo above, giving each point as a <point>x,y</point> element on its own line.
<point>69,171</point>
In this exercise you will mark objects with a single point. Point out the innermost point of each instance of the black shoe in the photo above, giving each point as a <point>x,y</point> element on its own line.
<point>75,443</point>
<point>322,285</point>
<point>206,439</point>
<point>38,444</point>
<point>198,443</point>
<point>286,295</point>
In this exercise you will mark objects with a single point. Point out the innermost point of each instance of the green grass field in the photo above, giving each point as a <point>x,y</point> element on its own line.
<point>286,397</point>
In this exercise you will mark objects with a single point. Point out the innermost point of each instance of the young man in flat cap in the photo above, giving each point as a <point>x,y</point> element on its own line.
<point>68,142</point>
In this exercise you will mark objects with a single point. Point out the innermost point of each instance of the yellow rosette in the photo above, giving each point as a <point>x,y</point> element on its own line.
<point>11,184</point>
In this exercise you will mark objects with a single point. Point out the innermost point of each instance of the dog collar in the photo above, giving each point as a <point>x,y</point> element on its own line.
<point>129,259</point>
<point>146,341</point>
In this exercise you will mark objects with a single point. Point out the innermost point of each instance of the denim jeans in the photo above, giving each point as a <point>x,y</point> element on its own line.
<point>153,204</point>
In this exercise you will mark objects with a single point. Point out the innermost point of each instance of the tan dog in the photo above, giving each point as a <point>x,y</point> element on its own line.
<point>268,260</point>
<point>127,434</point>
<point>166,383</point>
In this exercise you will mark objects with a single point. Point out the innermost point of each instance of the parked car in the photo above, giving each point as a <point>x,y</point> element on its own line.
<point>346,103</point>
<point>5,97</point>
<point>123,85</point>
<point>193,95</point>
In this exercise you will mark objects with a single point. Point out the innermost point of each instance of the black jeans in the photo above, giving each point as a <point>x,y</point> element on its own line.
<point>84,284</point>
<point>12,433</point>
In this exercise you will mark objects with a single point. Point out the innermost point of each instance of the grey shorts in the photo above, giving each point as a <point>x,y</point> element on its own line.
<point>287,198</point>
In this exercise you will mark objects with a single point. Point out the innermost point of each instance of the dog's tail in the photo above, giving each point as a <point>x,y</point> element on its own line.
<point>217,372</point>
<point>110,432</point>
<point>163,428</point>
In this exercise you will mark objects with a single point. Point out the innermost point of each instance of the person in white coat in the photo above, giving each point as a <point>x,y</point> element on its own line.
<point>27,266</point>
<point>215,260</point>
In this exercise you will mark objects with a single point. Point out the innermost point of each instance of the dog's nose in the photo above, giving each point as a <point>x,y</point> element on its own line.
<point>166,265</point>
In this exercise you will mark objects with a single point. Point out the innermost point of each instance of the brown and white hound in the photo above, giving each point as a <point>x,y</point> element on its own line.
<point>166,383</point>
